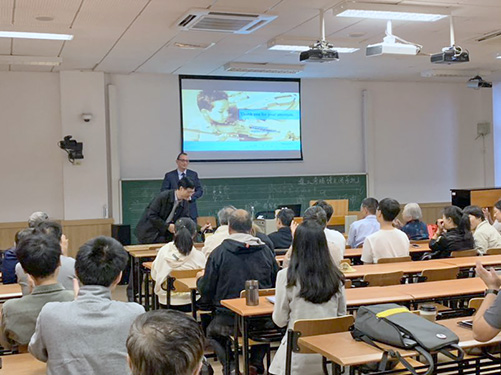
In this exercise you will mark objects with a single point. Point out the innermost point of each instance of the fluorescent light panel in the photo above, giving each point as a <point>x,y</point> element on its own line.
<point>30,60</point>
<point>300,46</point>
<point>390,12</point>
<point>263,68</point>
<point>26,35</point>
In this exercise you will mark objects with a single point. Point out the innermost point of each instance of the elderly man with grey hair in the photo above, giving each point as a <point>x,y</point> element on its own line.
<point>37,218</point>
<point>221,233</point>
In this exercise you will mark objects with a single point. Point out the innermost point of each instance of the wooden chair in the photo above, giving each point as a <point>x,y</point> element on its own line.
<point>170,284</point>
<point>383,279</point>
<point>448,273</point>
<point>493,251</point>
<point>347,284</point>
<point>464,253</point>
<point>395,260</point>
<point>475,303</point>
<point>202,220</point>
<point>313,327</point>
<point>346,260</point>
<point>340,207</point>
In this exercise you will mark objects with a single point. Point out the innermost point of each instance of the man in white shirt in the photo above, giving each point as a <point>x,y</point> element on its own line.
<point>332,235</point>
<point>388,242</point>
<point>484,234</point>
<point>221,233</point>
<point>360,229</point>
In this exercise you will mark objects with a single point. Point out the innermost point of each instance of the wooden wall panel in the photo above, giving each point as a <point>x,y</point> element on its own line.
<point>80,231</point>
<point>7,233</point>
<point>485,198</point>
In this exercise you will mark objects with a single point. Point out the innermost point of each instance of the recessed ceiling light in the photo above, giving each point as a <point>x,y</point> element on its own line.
<point>356,35</point>
<point>193,46</point>
<point>44,18</point>
<point>30,60</point>
<point>498,56</point>
<point>390,12</point>
<point>263,68</point>
<point>25,35</point>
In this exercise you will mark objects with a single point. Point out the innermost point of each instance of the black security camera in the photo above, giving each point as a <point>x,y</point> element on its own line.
<point>72,147</point>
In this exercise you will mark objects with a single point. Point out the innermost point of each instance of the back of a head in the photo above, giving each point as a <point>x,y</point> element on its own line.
<point>474,211</point>
<point>36,218</point>
<point>317,214</point>
<point>329,211</point>
<point>21,234</point>
<point>51,228</point>
<point>100,261</point>
<point>460,219</point>
<point>370,204</point>
<point>389,208</point>
<point>286,215</point>
<point>412,211</point>
<point>39,254</point>
<point>165,342</point>
<point>186,229</point>
<point>223,216</point>
<point>311,264</point>
<point>186,183</point>
<point>240,221</point>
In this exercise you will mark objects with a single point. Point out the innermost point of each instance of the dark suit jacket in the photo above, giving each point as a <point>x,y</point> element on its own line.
<point>282,238</point>
<point>152,227</point>
<point>170,182</point>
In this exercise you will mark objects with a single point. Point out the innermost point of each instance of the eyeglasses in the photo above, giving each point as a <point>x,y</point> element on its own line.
<point>184,160</point>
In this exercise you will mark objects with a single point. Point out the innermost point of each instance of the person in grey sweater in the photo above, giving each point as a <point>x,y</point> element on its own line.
<point>88,335</point>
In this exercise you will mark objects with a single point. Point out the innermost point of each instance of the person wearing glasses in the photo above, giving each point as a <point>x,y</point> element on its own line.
<point>172,178</point>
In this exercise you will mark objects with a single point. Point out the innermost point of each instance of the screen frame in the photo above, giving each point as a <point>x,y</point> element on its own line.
<point>227,78</point>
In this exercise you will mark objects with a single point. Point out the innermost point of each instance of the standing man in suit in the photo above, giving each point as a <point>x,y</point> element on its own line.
<point>157,222</point>
<point>172,178</point>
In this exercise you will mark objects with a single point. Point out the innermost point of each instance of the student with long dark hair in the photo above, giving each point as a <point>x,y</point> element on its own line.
<point>310,288</point>
<point>453,234</point>
<point>177,255</point>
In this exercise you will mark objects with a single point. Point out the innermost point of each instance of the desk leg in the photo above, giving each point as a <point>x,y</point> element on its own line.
<point>140,281</point>
<point>146,290</point>
<point>245,344</point>
<point>194,303</point>
<point>135,280</point>
<point>235,344</point>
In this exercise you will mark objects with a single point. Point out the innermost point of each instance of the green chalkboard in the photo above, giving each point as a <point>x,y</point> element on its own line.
<point>262,193</point>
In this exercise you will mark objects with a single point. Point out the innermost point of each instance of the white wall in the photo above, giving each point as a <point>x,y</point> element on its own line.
<point>496,103</point>
<point>424,134</point>
<point>30,161</point>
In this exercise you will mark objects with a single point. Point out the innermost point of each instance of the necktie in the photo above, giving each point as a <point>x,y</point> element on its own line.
<point>183,175</point>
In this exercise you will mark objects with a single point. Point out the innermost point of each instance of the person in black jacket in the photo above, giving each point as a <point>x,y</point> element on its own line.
<point>239,258</point>
<point>453,234</point>
<point>157,222</point>
<point>282,238</point>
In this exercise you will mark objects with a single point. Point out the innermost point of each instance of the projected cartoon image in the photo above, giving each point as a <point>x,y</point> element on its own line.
<point>242,116</point>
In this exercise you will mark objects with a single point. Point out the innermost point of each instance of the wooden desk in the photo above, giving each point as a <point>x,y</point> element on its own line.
<point>465,262</point>
<point>356,297</point>
<point>409,268</point>
<point>9,291</point>
<point>22,364</point>
<point>415,249</point>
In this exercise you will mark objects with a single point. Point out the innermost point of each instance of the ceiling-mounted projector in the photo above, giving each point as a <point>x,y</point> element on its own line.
<point>477,83</point>
<point>320,52</point>
<point>390,46</point>
<point>453,54</point>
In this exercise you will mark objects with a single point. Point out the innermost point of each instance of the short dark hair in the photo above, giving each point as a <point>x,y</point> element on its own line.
<point>100,261</point>
<point>39,254</point>
<point>181,153</point>
<point>22,233</point>
<point>459,218</point>
<point>286,215</point>
<point>165,342</point>
<point>240,221</point>
<point>475,211</point>
<point>390,208</point>
<point>370,204</point>
<point>329,211</point>
<point>186,183</point>
<point>206,98</point>
<point>50,227</point>
<point>317,214</point>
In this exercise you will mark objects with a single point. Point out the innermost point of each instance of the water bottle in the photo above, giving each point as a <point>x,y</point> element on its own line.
<point>252,293</point>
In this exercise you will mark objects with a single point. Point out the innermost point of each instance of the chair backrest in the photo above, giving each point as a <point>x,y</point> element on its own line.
<point>183,274</point>
<point>262,292</point>
<point>202,220</point>
<point>448,273</point>
<point>493,251</point>
<point>155,246</point>
<point>395,260</point>
<point>346,260</point>
<point>383,279</point>
<point>464,253</point>
<point>475,303</point>
<point>347,284</point>
<point>314,327</point>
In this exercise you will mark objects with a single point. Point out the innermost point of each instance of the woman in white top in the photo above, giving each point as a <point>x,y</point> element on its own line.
<point>177,255</point>
<point>310,288</point>
<point>485,235</point>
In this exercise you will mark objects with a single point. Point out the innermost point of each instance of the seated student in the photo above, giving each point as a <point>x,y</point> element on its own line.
<point>487,320</point>
<point>484,234</point>
<point>240,257</point>
<point>66,271</point>
<point>37,218</point>
<point>453,234</point>
<point>10,260</point>
<point>221,233</point>
<point>331,234</point>
<point>88,335</point>
<point>387,242</point>
<point>165,342</point>
<point>176,256</point>
<point>414,228</point>
<point>310,288</point>
<point>39,255</point>
<point>497,216</point>
<point>256,231</point>
<point>282,238</point>
<point>360,229</point>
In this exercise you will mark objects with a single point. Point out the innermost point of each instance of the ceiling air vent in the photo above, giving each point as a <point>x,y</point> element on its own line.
<point>489,36</point>
<point>226,22</point>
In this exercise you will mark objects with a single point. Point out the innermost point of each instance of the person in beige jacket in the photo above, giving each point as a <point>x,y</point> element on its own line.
<point>485,235</point>
<point>177,256</point>
<point>221,233</point>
